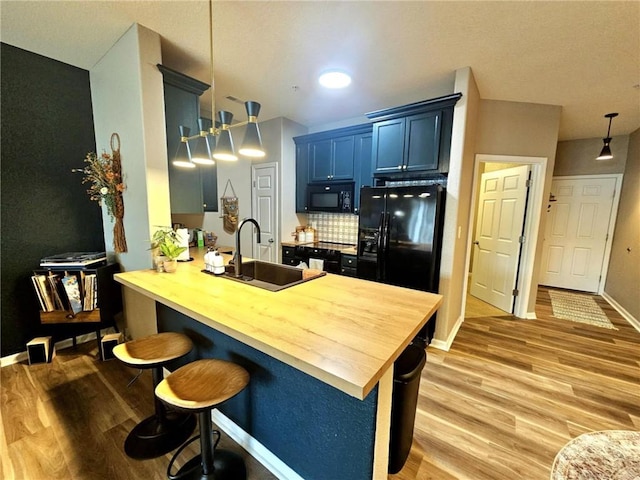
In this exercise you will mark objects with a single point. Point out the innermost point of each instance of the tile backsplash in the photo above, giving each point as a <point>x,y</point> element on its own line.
<point>335,227</point>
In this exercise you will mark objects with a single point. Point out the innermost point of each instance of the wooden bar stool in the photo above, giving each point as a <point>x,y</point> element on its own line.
<point>164,430</point>
<point>199,387</point>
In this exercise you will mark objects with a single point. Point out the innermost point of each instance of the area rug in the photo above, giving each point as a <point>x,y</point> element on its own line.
<point>607,455</point>
<point>578,308</point>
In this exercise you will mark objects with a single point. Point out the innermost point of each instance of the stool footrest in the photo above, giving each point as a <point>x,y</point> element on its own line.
<point>227,466</point>
<point>155,436</point>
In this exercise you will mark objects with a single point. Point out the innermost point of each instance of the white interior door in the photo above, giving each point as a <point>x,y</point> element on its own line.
<point>265,211</point>
<point>575,238</point>
<point>499,226</point>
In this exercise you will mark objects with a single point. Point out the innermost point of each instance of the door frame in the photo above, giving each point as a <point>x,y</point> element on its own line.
<point>612,218</point>
<point>276,204</point>
<point>533,216</point>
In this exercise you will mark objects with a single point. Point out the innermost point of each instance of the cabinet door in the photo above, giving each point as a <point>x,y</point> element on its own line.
<point>185,185</point>
<point>302,176</point>
<point>342,150</point>
<point>362,162</point>
<point>422,141</point>
<point>388,145</point>
<point>209,174</point>
<point>320,161</point>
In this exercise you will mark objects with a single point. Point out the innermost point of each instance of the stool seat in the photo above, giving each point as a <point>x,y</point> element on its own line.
<point>199,387</point>
<point>202,384</point>
<point>164,430</point>
<point>153,350</point>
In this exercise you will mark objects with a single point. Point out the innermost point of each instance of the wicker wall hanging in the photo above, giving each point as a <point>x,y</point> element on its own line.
<point>229,209</point>
<point>119,239</point>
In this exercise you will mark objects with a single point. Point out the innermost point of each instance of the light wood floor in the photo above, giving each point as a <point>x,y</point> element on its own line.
<point>499,405</point>
<point>510,393</point>
<point>69,419</point>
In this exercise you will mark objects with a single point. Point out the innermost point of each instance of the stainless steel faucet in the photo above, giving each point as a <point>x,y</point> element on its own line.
<point>238,261</point>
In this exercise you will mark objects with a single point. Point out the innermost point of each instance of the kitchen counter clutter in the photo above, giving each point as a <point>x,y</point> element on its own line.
<point>320,354</point>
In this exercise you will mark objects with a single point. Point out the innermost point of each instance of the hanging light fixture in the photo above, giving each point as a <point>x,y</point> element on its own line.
<point>202,151</point>
<point>252,144</point>
<point>606,154</point>
<point>182,157</point>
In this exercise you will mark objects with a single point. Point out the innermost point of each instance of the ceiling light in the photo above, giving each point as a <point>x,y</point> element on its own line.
<point>605,154</point>
<point>334,79</point>
<point>252,145</point>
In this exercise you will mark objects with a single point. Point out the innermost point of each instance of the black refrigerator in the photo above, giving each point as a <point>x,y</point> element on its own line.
<point>400,237</point>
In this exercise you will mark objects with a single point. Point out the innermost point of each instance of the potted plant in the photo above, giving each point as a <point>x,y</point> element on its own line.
<point>165,245</point>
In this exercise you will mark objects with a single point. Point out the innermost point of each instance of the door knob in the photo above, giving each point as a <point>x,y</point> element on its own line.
<point>271,240</point>
<point>476,243</point>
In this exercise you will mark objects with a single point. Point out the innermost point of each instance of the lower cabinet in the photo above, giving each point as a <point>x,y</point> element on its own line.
<point>289,256</point>
<point>349,265</point>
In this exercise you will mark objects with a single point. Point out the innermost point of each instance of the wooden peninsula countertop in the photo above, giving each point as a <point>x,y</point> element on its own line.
<point>343,331</point>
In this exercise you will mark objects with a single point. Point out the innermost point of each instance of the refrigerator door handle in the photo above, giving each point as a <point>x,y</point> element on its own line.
<point>385,246</point>
<point>379,246</point>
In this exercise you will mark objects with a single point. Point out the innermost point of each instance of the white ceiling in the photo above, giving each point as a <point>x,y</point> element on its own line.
<point>582,55</point>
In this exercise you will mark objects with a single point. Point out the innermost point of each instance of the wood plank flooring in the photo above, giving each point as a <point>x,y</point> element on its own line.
<point>510,393</point>
<point>69,419</point>
<point>499,405</point>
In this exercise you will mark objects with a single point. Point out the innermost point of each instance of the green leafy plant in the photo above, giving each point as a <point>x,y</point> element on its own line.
<point>167,241</point>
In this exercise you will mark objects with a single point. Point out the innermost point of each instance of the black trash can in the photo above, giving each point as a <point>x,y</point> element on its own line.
<point>406,382</point>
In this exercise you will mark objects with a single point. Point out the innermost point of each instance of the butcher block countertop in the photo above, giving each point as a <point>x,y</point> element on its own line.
<point>343,331</point>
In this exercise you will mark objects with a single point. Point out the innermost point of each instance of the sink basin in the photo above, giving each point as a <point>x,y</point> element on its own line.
<point>271,276</point>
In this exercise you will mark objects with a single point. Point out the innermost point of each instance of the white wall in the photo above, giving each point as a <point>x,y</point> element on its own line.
<point>458,204</point>
<point>128,98</point>
<point>521,129</point>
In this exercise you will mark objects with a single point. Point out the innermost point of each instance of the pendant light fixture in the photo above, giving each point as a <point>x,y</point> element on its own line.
<point>606,154</point>
<point>202,151</point>
<point>182,157</point>
<point>221,136</point>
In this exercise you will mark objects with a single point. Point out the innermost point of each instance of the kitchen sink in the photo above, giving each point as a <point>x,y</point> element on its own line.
<point>270,276</point>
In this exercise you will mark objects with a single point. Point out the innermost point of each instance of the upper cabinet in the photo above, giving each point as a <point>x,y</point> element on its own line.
<point>413,138</point>
<point>332,156</point>
<point>332,159</point>
<point>182,107</point>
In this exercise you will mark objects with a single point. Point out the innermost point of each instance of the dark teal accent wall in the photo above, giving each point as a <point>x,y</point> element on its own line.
<point>320,432</point>
<point>46,130</point>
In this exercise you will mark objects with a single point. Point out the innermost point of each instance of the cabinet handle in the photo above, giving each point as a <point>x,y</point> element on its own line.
<point>404,167</point>
<point>399,167</point>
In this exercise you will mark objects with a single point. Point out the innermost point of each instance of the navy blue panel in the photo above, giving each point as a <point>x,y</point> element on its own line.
<point>318,431</point>
<point>47,129</point>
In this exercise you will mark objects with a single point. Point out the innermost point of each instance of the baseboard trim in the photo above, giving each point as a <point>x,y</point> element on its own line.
<point>446,345</point>
<point>254,447</point>
<point>62,344</point>
<point>621,310</point>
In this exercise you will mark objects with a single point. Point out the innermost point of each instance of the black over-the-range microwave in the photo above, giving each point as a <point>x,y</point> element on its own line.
<point>328,197</point>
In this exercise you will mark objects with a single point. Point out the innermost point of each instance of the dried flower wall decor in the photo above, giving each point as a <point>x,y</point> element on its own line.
<point>104,173</point>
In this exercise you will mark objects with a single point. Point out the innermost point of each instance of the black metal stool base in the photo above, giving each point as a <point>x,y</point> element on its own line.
<point>153,438</point>
<point>227,466</point>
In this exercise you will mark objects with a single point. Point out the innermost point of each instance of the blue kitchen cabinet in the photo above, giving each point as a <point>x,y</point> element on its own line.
<point>182,107</point>
<point>331,160</point>
<point>413,139</point>
<point>362,160</point>
<point>340,155</point>
<point>302,176</point>
<point>388,138</point>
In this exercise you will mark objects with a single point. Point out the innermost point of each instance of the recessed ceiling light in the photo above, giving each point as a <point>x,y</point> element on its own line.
<point>334,79</point>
